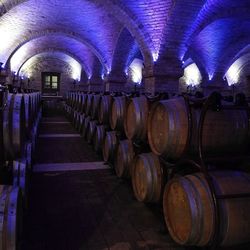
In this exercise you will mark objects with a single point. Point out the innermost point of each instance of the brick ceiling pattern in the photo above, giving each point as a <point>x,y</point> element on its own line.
<point>105,35</point>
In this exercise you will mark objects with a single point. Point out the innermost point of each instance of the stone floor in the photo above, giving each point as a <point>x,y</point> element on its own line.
<point>88,208</point>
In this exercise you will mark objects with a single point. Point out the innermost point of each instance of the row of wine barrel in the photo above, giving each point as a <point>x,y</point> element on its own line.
<point>169,126</point>
<point>187,201</point>
<point>21,115</point>
<point>188,204</point>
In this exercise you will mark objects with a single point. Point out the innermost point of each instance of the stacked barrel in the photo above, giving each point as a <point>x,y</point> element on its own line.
<point>20,114</point>
<point>153,140</point>
<point>204,203</point>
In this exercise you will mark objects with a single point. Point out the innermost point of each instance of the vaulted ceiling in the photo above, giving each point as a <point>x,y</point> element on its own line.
<point>105,35</point>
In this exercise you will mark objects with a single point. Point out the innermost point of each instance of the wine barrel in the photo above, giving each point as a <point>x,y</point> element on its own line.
<point>18,124</point>
<point>168,128</point>
<point>75,100</point>
<point>72,96</point>
<point>81,123</point>
<point>225,131</point>
<point>104,109</point>
<point>90,131</point>
<point>99,138</point>
<point>39,100</point>
<point>147,178</point>
<point>7,128</point>
<point>189,211</point>
<point>124,159</point>
<point>11,217</point>
<point>83,103</point>
<point>36,101</point>
<point>89,104</point>
<point>76,119</point>
<point>14,126</point>
<point>78,101</point>
<point>32,97</point>
<point>20,176</point>
<point>110,146</point>
<point>28,114</point>
<point>95,106</point>
<point>70,99</point>
<point>117,113</point>
<point>136,116</point>
<point>85,126</point>
<point>29,154</point>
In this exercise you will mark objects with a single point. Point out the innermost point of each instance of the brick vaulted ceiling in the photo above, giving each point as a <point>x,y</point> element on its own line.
<point>109,32</point>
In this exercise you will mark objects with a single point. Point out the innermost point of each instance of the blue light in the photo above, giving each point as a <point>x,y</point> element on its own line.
<point>210,77</point>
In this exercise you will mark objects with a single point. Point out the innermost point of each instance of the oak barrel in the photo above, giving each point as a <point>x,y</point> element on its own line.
<point>124,159</point>
<point>118,109</point>
<point>95,106</point>
<point>28,114</point>
<point>79,101</point>
<point>7,128</point>
<point>10,217</point>
<point>135,119</point>
<point>104,109</point>
<point>110,146</point>
<point>14,126</point>
<point>20,176</point>
<point>225,131</point>
<point>83,102</point>
<point>90,131</point>
<point>18,131</point>
<point>89,104</point>
<point>99,137</point>
<point>81,123</point>
<point>147,178</point>
<point>85,126</point>
<point>75,118</point>
<point>189,211</point>
<point>75,100</point>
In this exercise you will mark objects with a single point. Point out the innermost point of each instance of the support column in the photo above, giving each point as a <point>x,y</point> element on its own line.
<point>115,82</point>
<point>163,76</point>
<point>95,84</point>
<point>217,83</point>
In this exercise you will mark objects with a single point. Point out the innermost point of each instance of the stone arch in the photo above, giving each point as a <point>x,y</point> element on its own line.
<point>209,13</point>
<point>124,47</point>
<point>69,34</point>
<point>50,50</point>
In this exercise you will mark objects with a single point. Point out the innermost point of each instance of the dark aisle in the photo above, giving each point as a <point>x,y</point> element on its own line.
<point>87,209</point>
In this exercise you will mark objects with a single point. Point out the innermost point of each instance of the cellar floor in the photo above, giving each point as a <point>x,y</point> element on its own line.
<point>76,202</point>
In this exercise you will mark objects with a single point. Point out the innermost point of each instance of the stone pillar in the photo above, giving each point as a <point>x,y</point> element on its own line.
<point>163,76</point>
<point>95,84</point>
<point>217,83</point>
<point>115,82</point>
<point>83,86</point>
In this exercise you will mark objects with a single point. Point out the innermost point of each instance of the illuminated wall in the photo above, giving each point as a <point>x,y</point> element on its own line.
<point>52,62</point>
<point>135,71</point>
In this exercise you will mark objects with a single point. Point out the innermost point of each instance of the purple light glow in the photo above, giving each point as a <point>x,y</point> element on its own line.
<point>212,42</point>
<point>154,22</point>
<point>76,68</point>
<point>55,42</point>
<point>86,20</point>
<point>218,26</point>
<point>134,53</point>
